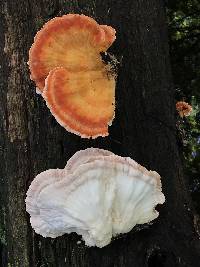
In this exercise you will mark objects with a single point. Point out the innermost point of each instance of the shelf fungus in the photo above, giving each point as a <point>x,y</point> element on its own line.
<point>97,195</point>
<point>183,108</point>
<point>67,67</point>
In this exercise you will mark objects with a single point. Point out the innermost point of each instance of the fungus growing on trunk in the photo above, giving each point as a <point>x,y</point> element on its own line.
<point>66,65</point>
<point>183,108</point>
<point>97,195</point>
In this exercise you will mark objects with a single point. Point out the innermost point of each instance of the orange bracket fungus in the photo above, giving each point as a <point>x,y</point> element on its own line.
<point>97,195</point>
<point>66,65</point>
<point>183,108</point>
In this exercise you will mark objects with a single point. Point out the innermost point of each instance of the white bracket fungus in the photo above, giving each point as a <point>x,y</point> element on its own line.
<point>97,195</point>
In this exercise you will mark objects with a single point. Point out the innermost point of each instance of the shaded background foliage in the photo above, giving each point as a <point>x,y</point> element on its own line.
<point>184,39</point>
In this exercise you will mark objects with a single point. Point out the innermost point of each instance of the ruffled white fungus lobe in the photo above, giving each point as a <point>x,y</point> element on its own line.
<point>97,195</point>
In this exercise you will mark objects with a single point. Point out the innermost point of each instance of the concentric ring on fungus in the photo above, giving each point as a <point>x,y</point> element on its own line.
<point>66,65</point>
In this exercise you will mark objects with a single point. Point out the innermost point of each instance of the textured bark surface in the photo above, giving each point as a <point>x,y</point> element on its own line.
<point>32,141</point>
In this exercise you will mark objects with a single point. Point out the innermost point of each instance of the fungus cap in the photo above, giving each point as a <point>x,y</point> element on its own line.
<point>85,156</point>
<point>72,41</point>
<point>98,198</point>
<point>183,108</point>
<point>66,65</point>
<point>82,102</point>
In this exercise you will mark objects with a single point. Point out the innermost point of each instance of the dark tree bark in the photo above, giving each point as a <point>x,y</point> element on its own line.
<point>32,141</point>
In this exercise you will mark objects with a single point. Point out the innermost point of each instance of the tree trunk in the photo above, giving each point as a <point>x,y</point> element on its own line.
<point>31,141</point>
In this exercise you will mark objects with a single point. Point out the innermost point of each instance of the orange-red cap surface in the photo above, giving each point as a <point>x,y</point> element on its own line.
<point>82,102</point>
<point>183,108</point>
<point>79,87</point>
